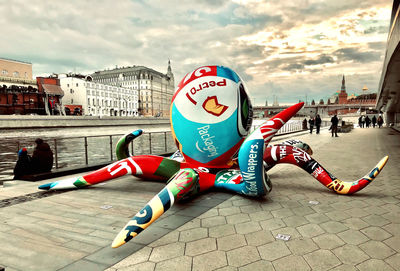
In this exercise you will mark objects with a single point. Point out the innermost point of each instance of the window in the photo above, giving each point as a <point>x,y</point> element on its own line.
<point>26,74</point>
<point>88,101</point>
<point>71,90</point>
<point>67,85</point>
<point>4,72</point>
<point>72,101</point>
<point>16,74</point>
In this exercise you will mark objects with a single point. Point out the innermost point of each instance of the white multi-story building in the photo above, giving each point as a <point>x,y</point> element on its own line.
<point>98,99</point>
<point>155,88</point>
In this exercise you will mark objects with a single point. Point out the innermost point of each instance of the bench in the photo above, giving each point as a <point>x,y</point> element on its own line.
<point>61,172</point>
<point>68,171</point>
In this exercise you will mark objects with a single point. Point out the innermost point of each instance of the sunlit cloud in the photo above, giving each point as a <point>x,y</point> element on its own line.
<point>289,49</point>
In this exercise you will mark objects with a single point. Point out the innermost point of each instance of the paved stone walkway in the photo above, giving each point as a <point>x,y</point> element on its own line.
<point>221,231</point>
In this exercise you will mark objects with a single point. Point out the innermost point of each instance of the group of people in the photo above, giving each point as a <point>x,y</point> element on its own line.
<point>40,161</point>
<point>365,121</point>
<point>317,123</point>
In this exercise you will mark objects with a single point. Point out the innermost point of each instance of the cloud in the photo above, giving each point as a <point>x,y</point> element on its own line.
<point>321,60</point>
<point>293,67</point>
<point>376,29</point>
<point>379,45</point>
<point>275,46</point>
<point>356,55</point>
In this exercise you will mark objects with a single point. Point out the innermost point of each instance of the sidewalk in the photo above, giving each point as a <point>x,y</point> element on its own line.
<point>74,230</point>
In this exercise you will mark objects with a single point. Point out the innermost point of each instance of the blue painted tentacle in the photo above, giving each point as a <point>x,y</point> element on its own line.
<point>252,168</point>
<point>122,148</point>
<point>255,181</point>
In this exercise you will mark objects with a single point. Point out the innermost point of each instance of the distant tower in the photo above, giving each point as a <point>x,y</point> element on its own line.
<point>364,90</point>
<point>275,101</point>
<point>343,93</point>
<point>169,71</point>
<point>266,102</point>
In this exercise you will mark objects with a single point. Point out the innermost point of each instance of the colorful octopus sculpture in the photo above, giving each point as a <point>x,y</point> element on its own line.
<point>211,116</point>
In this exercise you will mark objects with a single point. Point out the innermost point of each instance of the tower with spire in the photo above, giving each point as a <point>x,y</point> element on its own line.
<point>343,93</point>
<point>170,74</point>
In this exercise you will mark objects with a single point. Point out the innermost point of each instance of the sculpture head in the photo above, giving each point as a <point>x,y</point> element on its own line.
<point>211,114</point>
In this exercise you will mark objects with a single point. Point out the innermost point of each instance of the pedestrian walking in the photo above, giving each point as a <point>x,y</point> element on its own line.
<point>367,121</point>
<point>380,121</point>
<point>305,124</point>
<point>360,122</point>
<point>334,121</point>
<point>311,122</point>
<point>318,123</point>
<point>373,121</point>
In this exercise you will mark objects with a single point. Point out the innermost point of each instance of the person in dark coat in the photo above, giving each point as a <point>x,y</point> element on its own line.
<point>367,121</point>
<point>304,124</point>
<point>373,121</point>
<point>334,121</point>
<point>42,158</point>
<point>380,121</point>
<point>360,122</point>
<point>311,122</point>
<point>23,165</point>
<point>318,123</point>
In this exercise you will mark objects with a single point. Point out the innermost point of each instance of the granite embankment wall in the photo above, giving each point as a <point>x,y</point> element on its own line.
<point>23,122</point>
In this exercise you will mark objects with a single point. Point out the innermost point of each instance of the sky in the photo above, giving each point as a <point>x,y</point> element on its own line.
<point>292,50</point>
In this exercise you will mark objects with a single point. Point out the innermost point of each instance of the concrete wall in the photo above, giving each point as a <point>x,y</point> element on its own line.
<point>24,121</point>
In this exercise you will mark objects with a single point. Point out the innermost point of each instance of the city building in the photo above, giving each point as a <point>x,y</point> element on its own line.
<point>155,89</point>
<point>52,95</point>
<point>83,96</point>
<point>19,93</point>
<point>21,100</point>
<point>388,98</point>
<point>16,73</point>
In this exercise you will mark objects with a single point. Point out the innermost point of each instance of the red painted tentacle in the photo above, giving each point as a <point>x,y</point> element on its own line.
<point>295,156</point>
<point>271,127</point>
<point>143,166</point>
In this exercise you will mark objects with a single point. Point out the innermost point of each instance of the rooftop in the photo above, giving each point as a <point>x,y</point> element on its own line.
<point>19,61</point>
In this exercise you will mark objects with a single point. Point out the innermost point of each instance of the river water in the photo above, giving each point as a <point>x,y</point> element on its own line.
<point>68,144</point>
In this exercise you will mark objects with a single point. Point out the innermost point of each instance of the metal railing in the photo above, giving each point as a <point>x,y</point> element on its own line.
<point>293,126</point>
<point>89,150</point>
<point>289,127</point>
<point>73,148</point>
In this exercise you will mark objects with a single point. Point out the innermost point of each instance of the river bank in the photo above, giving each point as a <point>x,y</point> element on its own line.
<point>85,141</point>
<point>12,122</point>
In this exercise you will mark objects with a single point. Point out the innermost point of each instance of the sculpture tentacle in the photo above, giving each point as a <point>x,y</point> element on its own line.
<point>121,149</point>
<point>143,166</point>
<point>182,185</point>
<point>295,156</point>
<point>255,182</point>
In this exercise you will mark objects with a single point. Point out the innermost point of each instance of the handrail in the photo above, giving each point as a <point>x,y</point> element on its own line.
<point>86,145</point>
<point>287,128</point>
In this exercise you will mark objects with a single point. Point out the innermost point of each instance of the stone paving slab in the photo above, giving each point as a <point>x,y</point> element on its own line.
<point>71,231</point>
<point>222,231</point>
<point>337,233</point>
